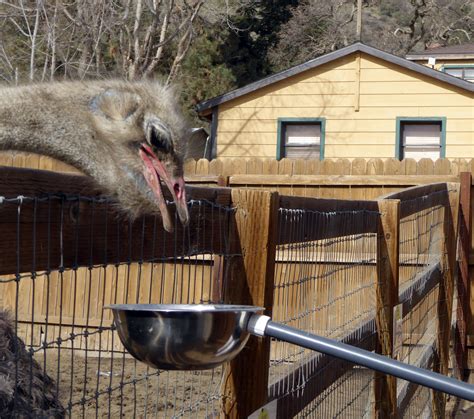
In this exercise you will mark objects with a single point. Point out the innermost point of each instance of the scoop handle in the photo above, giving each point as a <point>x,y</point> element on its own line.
<point>260,325</point>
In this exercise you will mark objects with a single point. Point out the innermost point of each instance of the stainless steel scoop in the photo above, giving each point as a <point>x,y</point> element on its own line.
<point>183,337</point>
<point>193,337</point>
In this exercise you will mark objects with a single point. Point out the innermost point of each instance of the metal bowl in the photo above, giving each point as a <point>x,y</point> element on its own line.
<point>183,336</point>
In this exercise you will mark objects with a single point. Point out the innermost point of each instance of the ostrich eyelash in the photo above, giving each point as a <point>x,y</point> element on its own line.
<point>158,135</point>
<point>160,140</point>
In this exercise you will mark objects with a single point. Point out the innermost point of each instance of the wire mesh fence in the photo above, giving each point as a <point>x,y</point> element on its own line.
<point>426,287</point>
<point>324,284</point>
<point>421,244</point>
<point>70,361</point>
<point>330,281</point>
<point>63,258</point>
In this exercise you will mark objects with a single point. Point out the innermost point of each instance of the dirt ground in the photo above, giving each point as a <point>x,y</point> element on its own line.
<point>463,409</point>
<point>121,387</point>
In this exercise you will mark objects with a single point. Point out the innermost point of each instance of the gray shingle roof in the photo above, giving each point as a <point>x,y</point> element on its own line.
<point>463,49</point>
<point>206,105</point>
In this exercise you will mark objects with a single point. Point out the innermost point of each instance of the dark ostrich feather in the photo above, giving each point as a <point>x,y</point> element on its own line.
<point>25,389</point>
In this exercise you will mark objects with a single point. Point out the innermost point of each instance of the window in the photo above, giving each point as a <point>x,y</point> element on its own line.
<point>301,138</point>
<point>419,138</point>
<point>463,72</point>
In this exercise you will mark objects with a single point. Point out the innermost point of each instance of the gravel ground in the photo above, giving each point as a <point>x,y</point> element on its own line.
<point>83,385</point>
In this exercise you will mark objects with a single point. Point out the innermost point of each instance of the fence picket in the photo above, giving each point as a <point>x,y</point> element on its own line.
<point>385,391</point>
<point>246,383</point>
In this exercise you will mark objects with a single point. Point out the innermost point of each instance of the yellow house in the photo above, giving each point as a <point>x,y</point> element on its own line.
<point>354,102</point>
<point>457,60</point>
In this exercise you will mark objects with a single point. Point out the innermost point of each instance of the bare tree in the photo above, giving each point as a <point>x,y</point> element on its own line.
<point>397,26</point>
<point>156,25</point>
<point>437,21</point>
<point>316,27</point>
<point>94,38</point>
<point>26,21</point>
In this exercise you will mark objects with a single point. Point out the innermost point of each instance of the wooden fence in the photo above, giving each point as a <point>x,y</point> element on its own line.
<point>396,284</point>
<point>363,179</point>
<point>246,380</point>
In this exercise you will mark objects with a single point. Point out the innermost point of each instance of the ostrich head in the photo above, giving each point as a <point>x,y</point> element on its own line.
<point>147,136</point>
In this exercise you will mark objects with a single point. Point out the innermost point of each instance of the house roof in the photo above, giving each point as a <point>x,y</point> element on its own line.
<point>205,106</point>
<point>451,51</point>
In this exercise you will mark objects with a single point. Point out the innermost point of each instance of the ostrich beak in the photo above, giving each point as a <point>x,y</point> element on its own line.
<point>154,172</point>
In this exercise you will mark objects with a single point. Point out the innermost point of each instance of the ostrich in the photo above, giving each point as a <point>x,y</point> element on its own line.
<point>29,392</point>
<point>130,138</point>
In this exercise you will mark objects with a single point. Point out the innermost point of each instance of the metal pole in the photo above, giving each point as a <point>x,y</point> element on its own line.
<point>359,21</point>
<point>263,326</point>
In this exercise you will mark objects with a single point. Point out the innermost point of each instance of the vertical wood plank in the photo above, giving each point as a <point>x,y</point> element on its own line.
<point>410,166</point>
<point>246,377</point>
<point>270,167</point>
<point>254,166</point>
<point>313,167</point>
<point>190,167</point>
<point>238,166</point>
<point>385,386</point>
<point>218,267</point>
<point>299,167</point>
<point>425,167</point>
<point>392,166</point>
<point>357,82</point>
<point>285,166</point>
<point>216,167</point>
<point>343,167</point>
<point>359,166</point>
<point>463,286</point>
<point>202,167</point>
<point>442,167</point>
<point>375,167</point>
<point>445,294</point>
<point>46,163</point>
<point>6,158</point>
<point>459,165</point>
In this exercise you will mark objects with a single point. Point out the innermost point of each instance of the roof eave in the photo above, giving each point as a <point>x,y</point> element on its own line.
<point>419,68</point>
<point>207,104</point>
<point>357,47</point>
<point>440,57</point>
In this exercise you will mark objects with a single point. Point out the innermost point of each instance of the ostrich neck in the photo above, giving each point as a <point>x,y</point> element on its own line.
<point>51,129</point>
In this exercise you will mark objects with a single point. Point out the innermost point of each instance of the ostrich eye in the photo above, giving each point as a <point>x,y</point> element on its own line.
<point>159,137</point>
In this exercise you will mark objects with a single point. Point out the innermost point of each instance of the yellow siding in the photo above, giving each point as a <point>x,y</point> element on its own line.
<point>241,150</point>
<point>375,151</point>
<point>247,125</point>
<point>403,87</point>
<point>459,151</point>
<point>442,62</point>
<point>258,114</point>
<point>268,126</point>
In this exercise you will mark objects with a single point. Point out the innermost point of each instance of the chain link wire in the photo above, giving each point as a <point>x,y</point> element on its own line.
<point>71,355</point>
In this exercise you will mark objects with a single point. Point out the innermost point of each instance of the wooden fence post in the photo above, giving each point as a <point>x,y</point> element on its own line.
<point>445,294</point>
<point>385,386</point>
<point>246,377</point>
<point>463,285</point>
<point>218,261</point>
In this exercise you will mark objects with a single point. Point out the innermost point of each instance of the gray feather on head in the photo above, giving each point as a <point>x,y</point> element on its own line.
<point>129,136</point>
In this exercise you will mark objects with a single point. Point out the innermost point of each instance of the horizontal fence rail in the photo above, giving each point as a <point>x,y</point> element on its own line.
<point>65,255</point>
<point>425,288</point>
<point>363,271</point>
<point>398,247</point>
<point>324,284</point>
<point>59,219</point>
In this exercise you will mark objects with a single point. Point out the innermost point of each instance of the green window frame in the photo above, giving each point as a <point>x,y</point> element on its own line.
<point>459,67</point>
<point>284,122</point>
<point>401,120</point>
